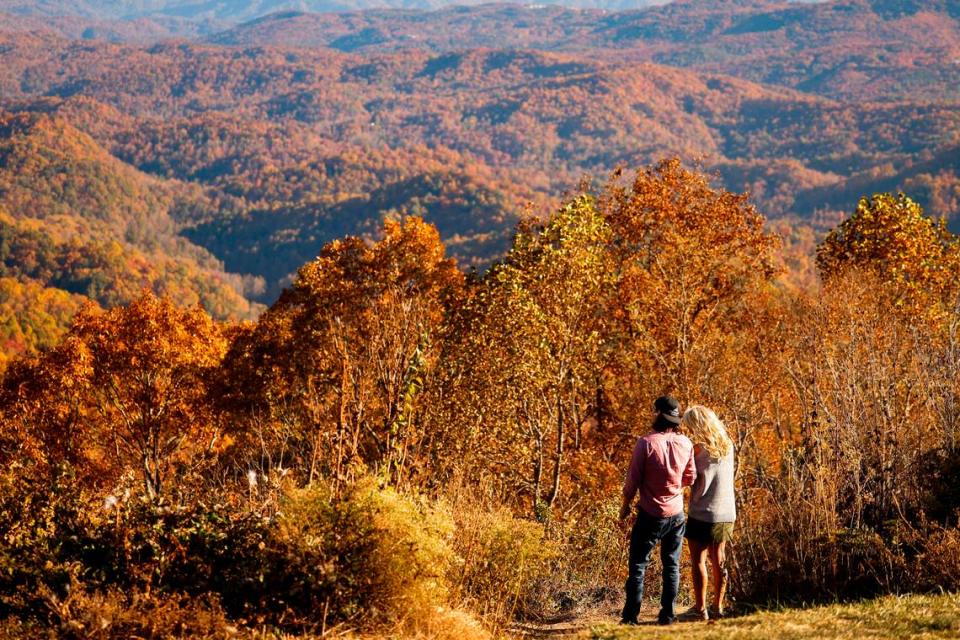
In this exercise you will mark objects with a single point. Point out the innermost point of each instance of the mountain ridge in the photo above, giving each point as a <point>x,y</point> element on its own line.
<point>639,110</point>
<point>844,49</point>
<point>243,10</point>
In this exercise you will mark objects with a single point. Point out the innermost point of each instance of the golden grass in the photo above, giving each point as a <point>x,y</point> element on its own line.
<point>887,617</point>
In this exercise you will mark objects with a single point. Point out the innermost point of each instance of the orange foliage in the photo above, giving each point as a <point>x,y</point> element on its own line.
<point>124,392</point>
<point>337,364</point>
<point>523,388</point>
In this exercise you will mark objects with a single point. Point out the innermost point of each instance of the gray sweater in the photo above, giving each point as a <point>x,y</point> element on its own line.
<point>712,499</point>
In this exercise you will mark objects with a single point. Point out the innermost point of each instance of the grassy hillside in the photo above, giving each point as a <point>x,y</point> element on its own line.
<point>888,617</point>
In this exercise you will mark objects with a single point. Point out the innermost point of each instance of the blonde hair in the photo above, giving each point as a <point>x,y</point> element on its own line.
<point>706,429</point>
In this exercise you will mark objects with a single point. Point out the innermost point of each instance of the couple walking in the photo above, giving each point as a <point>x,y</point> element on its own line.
<point>664,462</point>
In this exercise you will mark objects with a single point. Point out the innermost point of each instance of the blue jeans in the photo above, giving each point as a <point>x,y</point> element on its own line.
<point>647,531</point>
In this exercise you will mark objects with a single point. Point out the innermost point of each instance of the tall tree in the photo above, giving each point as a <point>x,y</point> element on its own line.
<point>687,255</point>
<point>151,364</point>
<point>913,254</point>
<point>532,354</point>
<point>45,417</point>
<point>342,355</point>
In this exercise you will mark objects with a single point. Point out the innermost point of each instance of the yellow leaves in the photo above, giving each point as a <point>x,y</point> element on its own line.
<point>344,353</point>
<point>914,256</point>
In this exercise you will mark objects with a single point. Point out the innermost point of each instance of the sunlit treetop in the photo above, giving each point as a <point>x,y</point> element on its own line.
<point>891,237</point>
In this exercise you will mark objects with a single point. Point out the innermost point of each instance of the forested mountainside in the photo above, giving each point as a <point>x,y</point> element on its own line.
<point>74,217</point>
<point>140,30</point>
<point>537,120</point>
<point>213,168</point>
<point>844,49</point>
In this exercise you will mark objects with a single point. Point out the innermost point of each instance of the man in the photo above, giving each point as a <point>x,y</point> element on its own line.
<point>661,466</point>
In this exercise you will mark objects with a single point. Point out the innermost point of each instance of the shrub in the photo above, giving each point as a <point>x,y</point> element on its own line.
<point>114,614</point>
<point>369,556</point>
<point>502,559</point>
<point>414,554</point>
<point>942,499</point>
<point>588,566</point>
<point>197,549</point>
<point>938,567</point>
<point>44,530</point>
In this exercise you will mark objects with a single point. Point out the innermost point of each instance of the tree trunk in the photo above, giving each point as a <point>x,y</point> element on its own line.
<point>537,474</point>
<point>558,457</point>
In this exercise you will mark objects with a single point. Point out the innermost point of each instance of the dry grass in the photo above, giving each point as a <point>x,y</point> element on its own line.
<point>446,624</point>
<point>887,617</point>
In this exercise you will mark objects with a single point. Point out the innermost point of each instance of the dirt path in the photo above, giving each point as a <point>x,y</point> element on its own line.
<point>577,627</point>
<point>571,629</point>
<point>580,626</point>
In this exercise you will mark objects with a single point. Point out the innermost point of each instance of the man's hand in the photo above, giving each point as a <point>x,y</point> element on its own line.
<point>624,523</point>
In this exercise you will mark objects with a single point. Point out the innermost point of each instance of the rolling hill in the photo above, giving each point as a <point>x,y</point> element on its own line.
<point>75,218</point>
<point>296,146</point>
<point>843,49</point>
<point>542,27</point>
<point>550,116</point>
<point>140,30</point>
<point>78,226</point>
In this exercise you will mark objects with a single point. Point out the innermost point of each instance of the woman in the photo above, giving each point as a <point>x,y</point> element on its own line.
<point>712,506</point>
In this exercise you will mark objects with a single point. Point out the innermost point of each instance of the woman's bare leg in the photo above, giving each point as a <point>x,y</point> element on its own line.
<point>698,556</point>
<point>718,559</point>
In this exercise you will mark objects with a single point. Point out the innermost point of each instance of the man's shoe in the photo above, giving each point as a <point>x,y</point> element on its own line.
<point>631,623</point>
<point>666,620</point>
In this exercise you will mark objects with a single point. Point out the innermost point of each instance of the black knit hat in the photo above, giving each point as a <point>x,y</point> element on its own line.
<point>668,408</point>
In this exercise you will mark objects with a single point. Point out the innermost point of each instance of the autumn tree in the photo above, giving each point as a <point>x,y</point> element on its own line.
<point>914,255</point>
<point>913,261</point>
<point>44,414</point>
<point>150,367</point>
<point>526,369</point>
<point>125,390</point>
<point>341,357</point>
<point>691,258</point>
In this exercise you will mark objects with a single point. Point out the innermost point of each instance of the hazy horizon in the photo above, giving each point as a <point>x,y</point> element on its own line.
<point>245,10</point>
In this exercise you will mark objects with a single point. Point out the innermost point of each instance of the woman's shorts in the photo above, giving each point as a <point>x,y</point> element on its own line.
<point>708,532</point>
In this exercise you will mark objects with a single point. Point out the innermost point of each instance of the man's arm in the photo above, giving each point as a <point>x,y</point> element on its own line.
<point>634,478</point>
